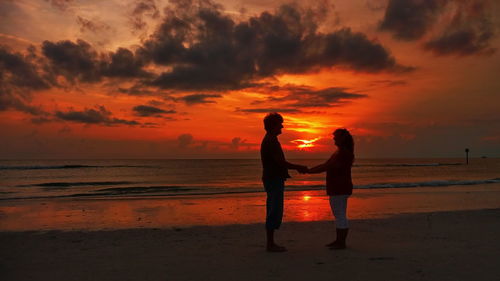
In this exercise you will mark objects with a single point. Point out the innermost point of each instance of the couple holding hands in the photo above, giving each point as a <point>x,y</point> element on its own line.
<point>275,173</point>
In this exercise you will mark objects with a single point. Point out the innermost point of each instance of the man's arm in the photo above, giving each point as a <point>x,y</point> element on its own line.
<point>300,168</point>
<point>279,158</point>
<point>288,165</point>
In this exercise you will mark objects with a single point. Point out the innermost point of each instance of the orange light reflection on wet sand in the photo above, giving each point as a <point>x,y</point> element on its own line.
<point>300,206</point>
<point>308,206</point>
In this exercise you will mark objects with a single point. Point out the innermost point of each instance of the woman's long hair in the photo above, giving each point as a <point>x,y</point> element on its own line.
<point>348,141</point>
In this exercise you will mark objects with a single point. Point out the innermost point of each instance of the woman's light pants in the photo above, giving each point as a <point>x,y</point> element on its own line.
<point>338,203</point>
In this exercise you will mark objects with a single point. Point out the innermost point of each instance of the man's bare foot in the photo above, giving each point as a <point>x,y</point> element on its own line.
<point>275,248</point>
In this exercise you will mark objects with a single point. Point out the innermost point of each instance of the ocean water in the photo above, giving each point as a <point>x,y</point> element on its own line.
<point>22,179</point>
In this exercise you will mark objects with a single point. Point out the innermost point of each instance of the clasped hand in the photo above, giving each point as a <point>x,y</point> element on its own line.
<point>303,169</point>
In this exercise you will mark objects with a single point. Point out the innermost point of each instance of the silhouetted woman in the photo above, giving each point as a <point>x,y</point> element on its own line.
<point>339,183</point>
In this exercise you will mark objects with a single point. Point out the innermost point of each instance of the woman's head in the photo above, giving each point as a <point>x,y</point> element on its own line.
<point>343,139</point>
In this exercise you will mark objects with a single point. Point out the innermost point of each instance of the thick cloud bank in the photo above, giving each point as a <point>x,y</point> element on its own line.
<point>208,50</point>
<point>448,27</point>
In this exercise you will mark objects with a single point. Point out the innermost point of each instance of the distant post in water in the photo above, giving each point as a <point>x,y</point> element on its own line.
<point>467,156</point>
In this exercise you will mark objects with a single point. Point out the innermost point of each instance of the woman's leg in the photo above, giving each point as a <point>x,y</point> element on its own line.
<point>338,204</point>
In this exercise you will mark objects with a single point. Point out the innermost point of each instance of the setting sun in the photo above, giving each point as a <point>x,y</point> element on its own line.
<point>305,143</point>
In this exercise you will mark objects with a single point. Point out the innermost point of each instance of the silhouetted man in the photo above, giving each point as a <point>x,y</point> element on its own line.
<point>275,173</point>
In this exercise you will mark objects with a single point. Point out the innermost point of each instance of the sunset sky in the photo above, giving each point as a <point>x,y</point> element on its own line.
<point>194,79</point>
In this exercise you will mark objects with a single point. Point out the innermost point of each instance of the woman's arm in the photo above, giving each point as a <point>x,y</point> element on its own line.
<point>322,167</point>
<point>318,169</point>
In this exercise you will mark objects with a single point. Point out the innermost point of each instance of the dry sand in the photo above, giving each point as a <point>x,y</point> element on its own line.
<point>460,245</point>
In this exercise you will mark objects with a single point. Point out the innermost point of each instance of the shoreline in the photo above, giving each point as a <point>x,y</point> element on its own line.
<point>458,245</point>
<point>290,188</point>
<point>300,206</point>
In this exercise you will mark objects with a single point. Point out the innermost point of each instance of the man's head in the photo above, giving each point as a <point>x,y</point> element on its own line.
<point>273,122</point>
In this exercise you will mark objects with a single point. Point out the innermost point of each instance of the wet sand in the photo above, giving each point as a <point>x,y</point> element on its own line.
<point>178,211</point>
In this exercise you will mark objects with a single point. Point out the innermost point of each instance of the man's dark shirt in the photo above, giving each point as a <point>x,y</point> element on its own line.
<point>273,159</point>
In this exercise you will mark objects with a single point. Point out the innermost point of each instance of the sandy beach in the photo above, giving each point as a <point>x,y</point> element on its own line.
<point>460,245</point>
<point>446,233</point>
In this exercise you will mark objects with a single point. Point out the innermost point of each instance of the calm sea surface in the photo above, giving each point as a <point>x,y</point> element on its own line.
<point>22,179</point>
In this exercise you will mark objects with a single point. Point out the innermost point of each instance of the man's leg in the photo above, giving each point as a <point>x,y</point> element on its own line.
<point>274,212</point>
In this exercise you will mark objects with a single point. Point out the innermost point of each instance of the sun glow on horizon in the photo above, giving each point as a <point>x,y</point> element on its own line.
<point>303,125</point>
<point>302,144</point>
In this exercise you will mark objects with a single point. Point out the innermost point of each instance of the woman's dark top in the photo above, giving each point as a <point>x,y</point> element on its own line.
<point>273,159</point>
<point>338,173</point>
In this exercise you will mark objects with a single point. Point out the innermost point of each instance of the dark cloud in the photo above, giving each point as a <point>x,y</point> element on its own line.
<point>137,90</point>
<point>410,19</point>
<point>60,4</point>
<point>237,143</point>
<point>123,63</point>
<point>462,42</point>
<point>469,32</point>
<point>147,111</point>
<point>18,78</point>
<point>20,71</point>
<point>92,26</point>
<point>465,27</point>
<point>143,8</point>
<point>79,61</point>
<point>389,83</point>
<point>185,140</point>
<point>328,97</point>
<point>305,97</point>
<point>40,120</point>
<point>98,115</point>
<point>207,50</point>
<point>11,101</point>
<point>150,125</point>
<point>75,61</point>
<point>156,102</point>
<point>199,98</point>
<point>268,110</point>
